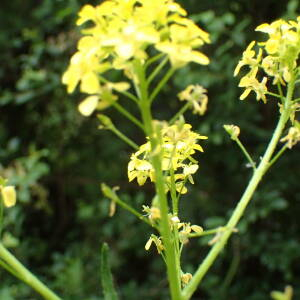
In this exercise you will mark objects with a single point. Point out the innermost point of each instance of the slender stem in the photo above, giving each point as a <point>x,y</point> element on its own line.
<point>277,156</point>
<point>132,210</point>
<point>182,110</point>
<point>26,275</point>
<point>161,84</point>
<point>280,90</point>
<point>239,210</point>
<point>274,95</point>
<point>123,137</point>
<point>153,59</point>
<point>128,115</point>
<point>236,257</point>
<point>165,230</point>
<point>111,194</point>
<point>207,232</point>
<point>157,70</point>
<point>252,163</point>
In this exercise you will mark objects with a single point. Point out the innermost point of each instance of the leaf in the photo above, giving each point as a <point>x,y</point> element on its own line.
<point>106,276</point>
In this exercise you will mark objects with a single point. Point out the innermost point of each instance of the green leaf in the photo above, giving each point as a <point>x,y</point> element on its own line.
<point>106,276</point>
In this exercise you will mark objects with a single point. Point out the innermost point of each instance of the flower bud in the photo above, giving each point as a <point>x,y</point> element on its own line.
<point>233,131</point>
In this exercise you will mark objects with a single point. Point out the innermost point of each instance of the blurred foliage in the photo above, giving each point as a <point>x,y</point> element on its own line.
<point>57,159</point>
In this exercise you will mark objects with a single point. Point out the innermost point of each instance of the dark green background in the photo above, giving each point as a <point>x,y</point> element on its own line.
<point>57,159</point>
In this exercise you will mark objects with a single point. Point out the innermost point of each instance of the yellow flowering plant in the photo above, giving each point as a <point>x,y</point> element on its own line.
<point>147,41</point>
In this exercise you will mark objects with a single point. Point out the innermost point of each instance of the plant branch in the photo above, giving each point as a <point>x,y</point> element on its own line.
<point>25,275</point>
<point>157,70</point>
<point>161,84</point>
<point>240,208</point>
<point>165,230</point>
<point>182,110</point>
<point>109,193</point>
<point>128,115</point>
<point>252,163</point>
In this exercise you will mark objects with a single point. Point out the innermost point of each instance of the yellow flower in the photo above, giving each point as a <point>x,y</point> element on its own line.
<point>186,278</point>
<point>9,195</point>
<point>293,136</point>
<point>153,212</point>
<point>196,95</point>
<point>157,241</point>
<point>247,59</point>
<point>121,32</point>
<point>186,230</point>
<point>252,84</point>
<point>139,169</point>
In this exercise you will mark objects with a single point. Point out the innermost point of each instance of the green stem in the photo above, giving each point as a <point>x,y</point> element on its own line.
<point>277,156</point>
<point>274,95</point>
<point>280,90</point>
<point>239,210</point>
<point>161,84</point>
<point>123,137</point>
<point>236,257</point>
<point>128,115</point>
<point>207,232</point>
<point>26,275</point>
<point>157,70</point>
<point>110,193</point>
<point>182,110</point>
<point>153,59</point>
<point>165,230</point>
<point>252,163</point>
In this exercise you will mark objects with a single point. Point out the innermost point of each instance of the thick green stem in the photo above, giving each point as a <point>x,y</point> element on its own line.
<point>165,230</point>
<point>239,210</point>
<point>26,275</point>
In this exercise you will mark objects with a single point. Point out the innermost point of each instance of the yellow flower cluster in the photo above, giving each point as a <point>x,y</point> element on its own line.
<point>179,143</point>
<point>121,33</point>
<point>184,231</point>
<point>277,57</point>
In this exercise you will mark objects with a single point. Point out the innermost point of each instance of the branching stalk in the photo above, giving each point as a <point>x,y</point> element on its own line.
<point>239,210</point>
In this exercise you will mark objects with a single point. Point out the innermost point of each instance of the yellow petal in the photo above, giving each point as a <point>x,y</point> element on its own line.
<point>87,12</point>
<point>90,83</point>
<point>88,105</point>
<point>9,195</point>
<point>148,244</point>
<point>245,94</point>
<point>197,228</point>
<point>199,58</point>
<point>71,78</point>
